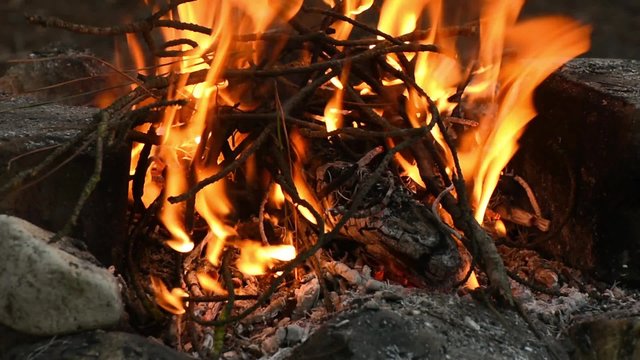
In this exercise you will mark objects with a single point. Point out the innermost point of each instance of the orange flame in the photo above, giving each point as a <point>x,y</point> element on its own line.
<point>213,205</point>
<point>172,301</point>
<point>172,215</point>
<point>277,196</point>
<point>351,8</point>
<point>539,47</point>
<point>180,139</point>
<point>304,191</point>
<point>513,58</point>
<point>472,282</point>
<point>410,169</point>
<point>135,49</point>
<point>333,110</point>
<point>305,194</point>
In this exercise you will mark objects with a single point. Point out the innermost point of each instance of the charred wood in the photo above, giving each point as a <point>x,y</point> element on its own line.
<point>393,226</point>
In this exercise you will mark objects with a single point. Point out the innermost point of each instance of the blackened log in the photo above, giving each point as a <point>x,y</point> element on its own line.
<point>25,128</point>
<point>588,127</point>
<point>395,229</point>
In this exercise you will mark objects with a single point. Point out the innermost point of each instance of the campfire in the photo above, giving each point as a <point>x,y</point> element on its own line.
<point>278,146</point>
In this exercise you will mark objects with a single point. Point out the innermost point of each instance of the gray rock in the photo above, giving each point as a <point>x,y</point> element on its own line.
<point>426,325</point>
<point>96,345</point>
<point>47,291</point>
<point>369,334</point>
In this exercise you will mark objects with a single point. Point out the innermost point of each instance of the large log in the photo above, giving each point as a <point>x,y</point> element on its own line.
<point>589,126</point>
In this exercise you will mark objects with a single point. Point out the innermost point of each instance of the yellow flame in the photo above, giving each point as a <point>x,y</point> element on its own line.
<point>331,3</point>
<point>362,6</point>
<point>400,17</point>
<point>256,259</point>
<point>306,194</point>
<point>277,196</point>
<point>500,228</point>
<point>333,112</point>
<point>333,109</point>
<point>472,282</point>
<point>410,169</point>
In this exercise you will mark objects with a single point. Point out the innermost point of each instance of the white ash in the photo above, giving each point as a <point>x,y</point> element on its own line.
<point>468,327</point>
<point>560,312</point>
<point>306,297</point>
<point>270,312</point>
<point>360,279</point>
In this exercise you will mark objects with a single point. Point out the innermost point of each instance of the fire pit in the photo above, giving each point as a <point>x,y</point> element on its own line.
<point>311,173</point>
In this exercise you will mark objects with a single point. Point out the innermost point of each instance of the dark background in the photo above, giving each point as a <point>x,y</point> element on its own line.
<point>616,23</point>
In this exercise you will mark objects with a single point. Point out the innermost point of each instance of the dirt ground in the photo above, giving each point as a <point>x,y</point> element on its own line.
<point>616,23</point>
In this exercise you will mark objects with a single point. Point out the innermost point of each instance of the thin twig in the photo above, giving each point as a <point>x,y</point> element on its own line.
<point>200,75</point>
<point>532,197</point>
